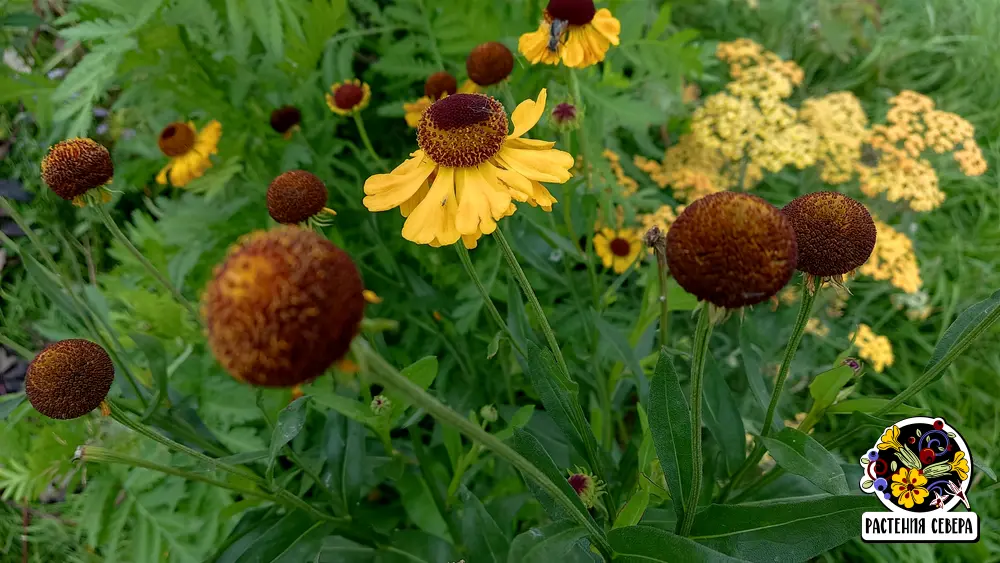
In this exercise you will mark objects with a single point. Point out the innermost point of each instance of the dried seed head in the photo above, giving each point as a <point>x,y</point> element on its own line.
<point>69,378</point>
<point>462,130</point>
<point>295,196</point>
<point>731,249</point>
<point>283,307</point>
<point>489,63</point>
<point>75,166</point>
<point>576,12</point>
<point>284,118</point>
<point>177,139</point>
<point>835,233</point>
<point>439,84</point>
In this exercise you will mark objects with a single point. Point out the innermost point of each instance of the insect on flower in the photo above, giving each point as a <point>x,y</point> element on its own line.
<point>556,32</point>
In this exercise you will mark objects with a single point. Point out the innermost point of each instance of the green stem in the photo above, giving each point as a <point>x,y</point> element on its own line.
<point>368,142</point>
<point>160,278</point>
<point>463,255</point>
<point>699,351</point>
<point>522,280</point>
<point>413,393</point>
<point>102,455</point>
<point>288,448</point>
<point>809,295</point>
<point>664,275</point>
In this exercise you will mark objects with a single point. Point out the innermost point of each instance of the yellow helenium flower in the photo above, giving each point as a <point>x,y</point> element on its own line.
<point>960,465</point>
<point>189,151</point>
<point>468,170</point>
<point>572,31</point>
<point>348,97</point>
<point>618,248</point>
<point>908,485</point>
<point>874,348</point>
<point>893,259</point>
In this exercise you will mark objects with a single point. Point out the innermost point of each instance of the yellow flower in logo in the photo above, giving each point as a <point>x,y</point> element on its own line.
<point>960,465</point>
<point>890,439</point>
<point>908,485</point>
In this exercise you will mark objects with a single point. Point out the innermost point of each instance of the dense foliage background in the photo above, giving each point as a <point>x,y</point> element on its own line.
<point>121,70</point>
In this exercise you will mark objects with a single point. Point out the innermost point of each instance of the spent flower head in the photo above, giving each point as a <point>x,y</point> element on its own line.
<point>69,378</point>
<point>732,249</point>
<point>439,85</point>
<point>489,63</point>
<point>835,233</point>
<point>75,166</point>
<point>295,196</point>
<point>283,307</point>
<point>285,119</point>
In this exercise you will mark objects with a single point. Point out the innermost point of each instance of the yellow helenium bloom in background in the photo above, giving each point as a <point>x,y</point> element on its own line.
<point>189,151</point>
<point>893,259</point>
<point>348,97</point>
<point>873,347</point>
<point>618,248</point>
<point>469,171</point>
<point>572,31</point>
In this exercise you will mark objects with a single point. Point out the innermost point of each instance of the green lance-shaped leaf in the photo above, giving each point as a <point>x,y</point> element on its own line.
<point>291,420</point>
<point>547,544</point>
<point>482,535</point>
<point>872,404</point>
<point>795,529</point>
<point>755,376</point>
<point>632,512</point>
<point>966,328</point>
<point>531,449</point>
<point>422,372</point>
<point>644,544</point>
<point>670,425</point>
<point>156,358</point>
<point>798,453</point>
<point>722,417</point>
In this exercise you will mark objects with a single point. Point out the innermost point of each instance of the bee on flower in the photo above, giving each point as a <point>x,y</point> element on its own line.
<point>573,32</point>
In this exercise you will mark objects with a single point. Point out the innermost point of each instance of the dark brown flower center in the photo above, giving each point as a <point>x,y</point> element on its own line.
<point>177,139</point>
<point>439,84</point>
<point>576,12</point>
<point>463,130</point>
<point>348,95</point>
<point>620,247</point>
<point>284,118</point>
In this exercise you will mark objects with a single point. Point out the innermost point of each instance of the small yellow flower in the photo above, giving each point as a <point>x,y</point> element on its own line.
<point>890,439</point>
<point>893,259</point>
<point>874,348</point>
<point>618,249</point>
<point>371,297</point>
<point>662,218</point>
<point>348,97</point>
<point>190,152</point>
<point>816,327</point>
<point>960,465</point>
<point>908,486</point>
<point>572,31</point>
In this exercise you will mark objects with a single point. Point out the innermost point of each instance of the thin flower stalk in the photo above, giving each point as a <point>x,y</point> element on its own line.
<point>463,255</point>
<point>367,141</point>
<point>699,351</point>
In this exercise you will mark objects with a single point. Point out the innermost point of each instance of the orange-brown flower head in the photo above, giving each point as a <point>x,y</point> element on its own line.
<point>69,378</point>
<point>731,249</point>
<point>463,130</point>
<point>576,12</point>
<point>284,118</point>
<point>283,307</point>
<point>835,234</point>
<point>75,166</point>
<point>489,63</point>
<point>295,196</point>
<point>439,84</point>
<point>177,139</point>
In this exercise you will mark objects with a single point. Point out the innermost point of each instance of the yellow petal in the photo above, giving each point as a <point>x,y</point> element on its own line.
<point>541,196</point>
<point>208,139</point>
<point>481,200</point>
<point>471,241</point>
<point>409,205</point>
<point>371,297</point>
<point>433,220</point>
<point>607,25</point>
<point>573,51</point>
<point>519,187</point>
<point>534,46</point>
<point>532,144</point>
<point>161,178</point>
<point>468,87</point>
<point>543,166</point>
<point>385,191</point>
<point>527,114</point>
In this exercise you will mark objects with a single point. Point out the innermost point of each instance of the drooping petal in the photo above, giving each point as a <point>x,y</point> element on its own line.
<point>385,191</point>
<point>161,178</point>
<point>607,25</point>
<point>520,188</point>
<point>543,166</point>
<point>208,138</point>
<point>535,46</point>
<point>541,196</point>
<point>409,205</point>
<point>572,51</point>
<point>473,207</point>
<point>527,114</point>
<point>433,220</point>
<point>471,241</point>
<point>602,246</point>
<point>533,144</point>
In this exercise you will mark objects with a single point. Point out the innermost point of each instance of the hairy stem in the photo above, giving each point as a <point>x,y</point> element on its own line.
<point>368,142</point>
<point>699,351</point>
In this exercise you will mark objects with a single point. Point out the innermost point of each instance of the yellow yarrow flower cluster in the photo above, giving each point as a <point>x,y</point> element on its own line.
<point>873,347</point>
<point>913,127</point>
<point>627,184</point>
<point>663,218</point>
<point>893,259</point>
<point>841,128</point>
<point>815,327</point>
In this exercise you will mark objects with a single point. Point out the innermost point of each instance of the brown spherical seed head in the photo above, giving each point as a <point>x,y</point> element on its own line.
<point>489,63</point>
<point>576,12</point>
<point>177,139</point>
<point>439,84</point>
<point>462,130</point>
<point>283,307</point>
<point>69,378</point>
<point>731,249</point>
<point>835,233</point>
<point>295,196</point>
<point>348,95</point>
<point>284,118</point>
<point>75,166</point>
